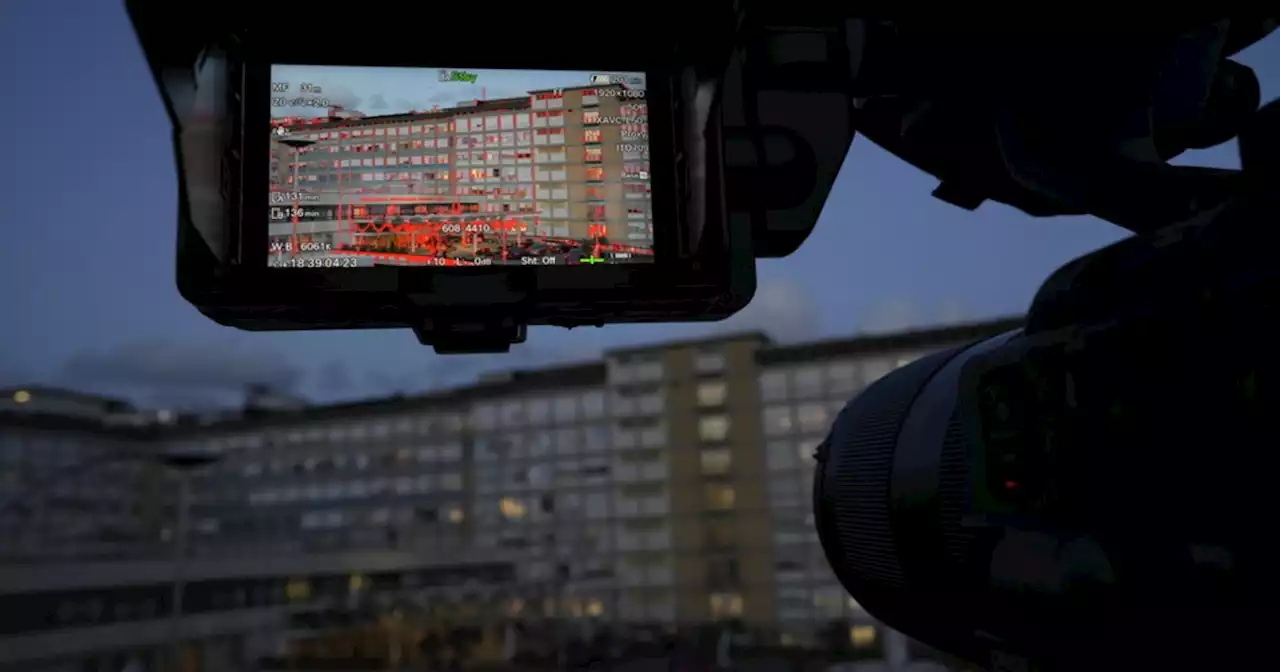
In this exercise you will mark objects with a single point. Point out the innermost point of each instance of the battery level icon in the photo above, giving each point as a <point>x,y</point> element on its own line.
<point>601,79</point>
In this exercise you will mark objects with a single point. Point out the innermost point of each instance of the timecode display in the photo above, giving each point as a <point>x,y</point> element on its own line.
<point>313,262</point>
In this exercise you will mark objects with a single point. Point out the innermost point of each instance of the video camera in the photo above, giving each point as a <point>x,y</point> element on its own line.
<point>1024,502</point>
<point>467,176</point>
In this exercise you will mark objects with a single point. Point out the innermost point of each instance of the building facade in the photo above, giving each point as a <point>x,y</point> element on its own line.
<point>569,163</point>
<point>665,487</point>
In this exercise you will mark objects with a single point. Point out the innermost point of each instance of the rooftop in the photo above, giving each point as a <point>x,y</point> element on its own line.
<point>901,340</point>
<point>63,394</point>
<point>579,375</point>
<point>496,105</point>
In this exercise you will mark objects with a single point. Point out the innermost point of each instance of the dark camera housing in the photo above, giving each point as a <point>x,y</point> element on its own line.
<point>215,81</point>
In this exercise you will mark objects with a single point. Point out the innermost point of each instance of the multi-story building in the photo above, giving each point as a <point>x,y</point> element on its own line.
<point>664,486</point>
<point>74,477</point>
<point>567,163</point>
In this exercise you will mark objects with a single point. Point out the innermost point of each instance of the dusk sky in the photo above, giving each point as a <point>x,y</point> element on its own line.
<point>377,91</point>
<point>88,217</point>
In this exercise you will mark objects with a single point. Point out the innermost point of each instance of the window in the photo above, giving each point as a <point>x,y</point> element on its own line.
<point>593,154</point>
<point>595,173</point>
<point>807,382</point>
<point>484,416</point>
<point>719,497</point>
<point>785,491</point>
<point>726,605</point>
<point>713,428</point>
<point>876,369</point>
<point>591,135</point>
<point>591,117</point>
<point>806,449</point>
<point>712,394</point>
<point>593,404</point>
<point>709,362</point>
<point>777,420</point>
<point>539,411</point>
<point>513,413</point>
<point>812,417</point>
<point>650,404</point>
<point>781,455</point>
<point>862,636</point>
<point>723,572</point>
<point>773,386</point>
<point>565,409</point>
<point>716,461</point>
<point>842,379</point>
<point>512,509</point>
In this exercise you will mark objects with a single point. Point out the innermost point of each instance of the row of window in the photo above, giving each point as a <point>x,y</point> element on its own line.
<point>805,418</point>
<point>821,380</point>
<point>359,489</point>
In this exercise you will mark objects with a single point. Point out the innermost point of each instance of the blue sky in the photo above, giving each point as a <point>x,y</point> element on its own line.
<point>377,91</point>
<point>88,223</point>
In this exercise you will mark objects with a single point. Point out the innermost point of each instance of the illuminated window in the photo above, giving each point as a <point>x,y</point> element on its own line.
<point>456,515</point>
<point>594,154</point>
<point>712,393</point>
<point>298,590</point>
<point>713,428</point>
<point>725,605</point>
<point>591,117</point>
<point>862,636</point>
<point>719,497</point>
<point>591,135</point>
<point>512,508</point>
<point>716,461</point>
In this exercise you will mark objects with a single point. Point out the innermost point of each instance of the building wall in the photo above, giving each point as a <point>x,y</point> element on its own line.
<point>88,501</point>
<point>671,485</point>
<point>797,405</point>
<point>558,161</point>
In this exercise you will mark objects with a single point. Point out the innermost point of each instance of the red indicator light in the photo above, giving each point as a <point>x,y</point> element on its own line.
<point>1010,485</point>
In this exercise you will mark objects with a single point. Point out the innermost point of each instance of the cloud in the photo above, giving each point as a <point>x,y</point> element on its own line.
<point>377,102</point>
<point>335,95</point>
<point>343,96</point>
<point>450,96</point>
<point>954,311</point>
<point>409,105</point>
<point>446,371</point>
<point>891,315</point>
<point>333,377</point>
<point>180,374</point>
<point>901,314</point>
<point>14,373</point>
<point>783,309</point>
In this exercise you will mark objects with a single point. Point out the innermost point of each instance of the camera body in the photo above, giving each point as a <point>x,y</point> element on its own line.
<point>465,243</point>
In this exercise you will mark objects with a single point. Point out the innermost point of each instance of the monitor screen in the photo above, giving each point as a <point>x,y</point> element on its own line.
<point>375,166</point>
